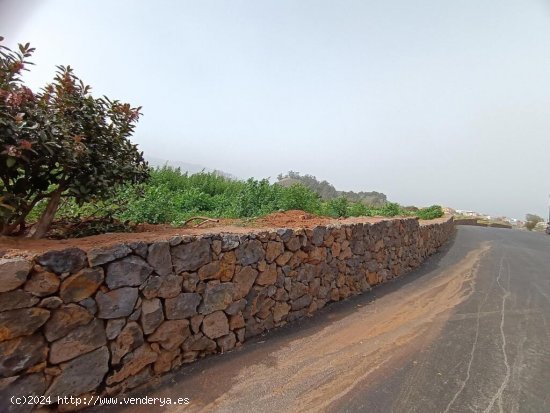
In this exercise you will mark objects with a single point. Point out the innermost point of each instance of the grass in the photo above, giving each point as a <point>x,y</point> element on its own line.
<point>171,197</point>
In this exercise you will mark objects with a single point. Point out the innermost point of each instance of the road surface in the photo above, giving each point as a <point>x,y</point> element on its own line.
<point>468,331</point>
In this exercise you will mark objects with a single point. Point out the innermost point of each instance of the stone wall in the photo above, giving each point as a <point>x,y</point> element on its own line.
<point>102,321</point>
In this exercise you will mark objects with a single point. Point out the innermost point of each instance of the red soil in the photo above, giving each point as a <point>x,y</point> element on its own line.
<point>289,219</point>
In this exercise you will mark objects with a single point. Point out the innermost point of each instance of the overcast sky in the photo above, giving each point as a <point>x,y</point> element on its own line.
<point>428,101</point>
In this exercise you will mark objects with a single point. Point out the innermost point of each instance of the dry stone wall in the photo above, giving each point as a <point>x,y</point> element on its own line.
<point>102,321</point>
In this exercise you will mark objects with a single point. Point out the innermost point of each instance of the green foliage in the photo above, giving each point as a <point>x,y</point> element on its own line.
<point>60,142</point>
<point>337,207</point>
<point>431,212</point>
<point>171,197</point>
<point>391,209</point>
<point>358,209</point>
<point>298,196</point>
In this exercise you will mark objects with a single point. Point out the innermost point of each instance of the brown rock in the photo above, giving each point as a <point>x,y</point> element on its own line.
<point>236,321</point>
<point>283,259</point>
<point>141,357</point>
<point>241,334</point>
<point>114,327</point>
<point>227,342</point>
<point>215,325</point>
<point>81,285</point>
<point>196,322</point>
<point>216,297</point>
<point>372,278</point>
<point>191,256</point>
<point>81,375</point>
<point>230,242</point>
<point>274,250</point>
<point>151,315</point>
<point>100,256</point>
<point>243,281</point>
<point>130,338</point>
<point>170,286</point>
<point>13,273</point>
<point>281,295</point>
<point>236,307</point>
<point>89,304</point>
<point>190,281</point>
<point>164,361</point>
<point>200,343</point>
<point>171,334</point>
<point>261,266</point>
<point>317,255</point>
<point>182,306</point>
<point>336,249</point>
<point>51,303</point>
<point>21,322</point>
<point>64,320</point>
<point>12,300</point>
<point>210,271</point>
<point>268,277</point>
<point>139,247</point>
<point>151,287</point>
<point>280,310</point>
<point>318,235</point>
<point>293,244</point>
<point>117,303</point>
<point>131,271</point>
<point>79,341</point>
<point>159,257</point>
<point>69,260</point>
<point>265,308</point>
<point>301,302</point>
<point>21,353</point>
<point>227,266</point>
<point>217,246</point>
<point>250,252</point>
<point>297,290</point>
<point>42,284</point>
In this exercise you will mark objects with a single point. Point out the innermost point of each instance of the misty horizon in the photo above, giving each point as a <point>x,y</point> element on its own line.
<point>428,103</point>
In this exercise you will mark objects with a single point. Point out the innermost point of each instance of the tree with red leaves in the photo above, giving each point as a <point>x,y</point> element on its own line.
<point>59,142</point>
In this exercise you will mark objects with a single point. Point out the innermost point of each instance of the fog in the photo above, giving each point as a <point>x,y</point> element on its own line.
<point>426,101</point>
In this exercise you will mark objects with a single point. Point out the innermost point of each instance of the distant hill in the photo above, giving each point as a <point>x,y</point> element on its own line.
<point>327,191</point>
<point>192,168</point>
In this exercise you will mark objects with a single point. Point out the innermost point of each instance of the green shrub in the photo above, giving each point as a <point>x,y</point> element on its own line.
<point>298,196</point>
<point>171,197</point>
<point>432,212</point>
<point>337,207</point>
<point>357,209</point>
<point>391,209</point>
<point>151,204</point>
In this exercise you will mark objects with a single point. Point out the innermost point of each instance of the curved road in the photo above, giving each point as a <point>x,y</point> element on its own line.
<point>469,331</point>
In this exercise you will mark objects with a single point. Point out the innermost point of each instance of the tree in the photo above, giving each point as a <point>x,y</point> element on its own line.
<point>59,142</point>
<point>531,221</point>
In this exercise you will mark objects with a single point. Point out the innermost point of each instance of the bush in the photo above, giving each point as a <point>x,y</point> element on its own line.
<point>298,196</point>
<point>337,208</point>
<point>357,209</point>
<point>391,209</point>
<point>432,212</point>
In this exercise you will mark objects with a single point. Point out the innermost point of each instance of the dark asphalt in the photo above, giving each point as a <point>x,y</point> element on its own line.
<point>493,354</point>
<point>469,331</point>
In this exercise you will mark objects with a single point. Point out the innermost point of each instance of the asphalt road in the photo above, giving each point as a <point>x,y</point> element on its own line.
<point>469,331</point>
